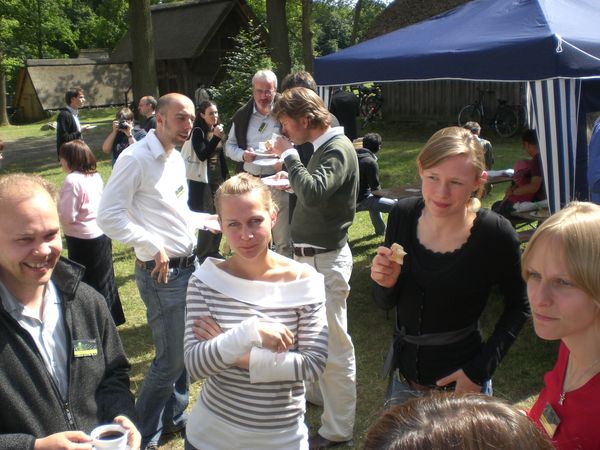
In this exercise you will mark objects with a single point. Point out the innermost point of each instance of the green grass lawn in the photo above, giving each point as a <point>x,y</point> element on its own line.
<point>518,378</point>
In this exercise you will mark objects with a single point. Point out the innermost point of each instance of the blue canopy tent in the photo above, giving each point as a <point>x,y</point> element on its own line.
<point>550,44</point>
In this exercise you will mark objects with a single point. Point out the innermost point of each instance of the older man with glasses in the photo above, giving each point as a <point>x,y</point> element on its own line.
<point>252,124</point>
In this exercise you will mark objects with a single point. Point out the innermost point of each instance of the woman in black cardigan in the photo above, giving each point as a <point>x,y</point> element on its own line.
<point>456,254</point>
<point>207,137</point>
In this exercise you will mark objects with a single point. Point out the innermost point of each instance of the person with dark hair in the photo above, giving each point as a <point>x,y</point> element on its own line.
<point>78,208</point>
<point>206,137</point>
<point>447,420</point>
<point>560,265</point>
<point>299,79</point>
<point>64,370</point>
<point>326,190</point>
<point>345,106</point>
<point>145,205</point>
<point>369,197</point>
<point>147,108</point>
<point>122,135</point>
<point>441,287</point>
<point>488,153</point>
<point>67,122</point>
<point>527,182</point>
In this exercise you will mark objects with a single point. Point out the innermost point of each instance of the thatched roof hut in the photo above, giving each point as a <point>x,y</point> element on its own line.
<point>42,84</point>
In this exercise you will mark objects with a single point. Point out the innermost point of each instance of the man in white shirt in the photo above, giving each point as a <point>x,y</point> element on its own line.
<point>144,205</point>
<point>63,368</point>
<point>251,124</point>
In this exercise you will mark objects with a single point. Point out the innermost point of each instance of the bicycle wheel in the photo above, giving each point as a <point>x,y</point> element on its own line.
<point>469,114</point>
<point>366,106</point>
<point>506,122</point>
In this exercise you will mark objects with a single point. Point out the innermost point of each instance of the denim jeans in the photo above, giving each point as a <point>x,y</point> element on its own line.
<point>399,391</point>
<point>163,397</point>
<point>376,205</point>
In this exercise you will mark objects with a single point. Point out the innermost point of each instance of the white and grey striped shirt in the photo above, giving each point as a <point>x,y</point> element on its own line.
<point>270,395</point>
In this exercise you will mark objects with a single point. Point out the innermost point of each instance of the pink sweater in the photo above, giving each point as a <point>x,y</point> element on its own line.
<point>78,205</point>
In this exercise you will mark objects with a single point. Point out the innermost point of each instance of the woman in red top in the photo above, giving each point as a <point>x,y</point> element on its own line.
<point>560,266</point>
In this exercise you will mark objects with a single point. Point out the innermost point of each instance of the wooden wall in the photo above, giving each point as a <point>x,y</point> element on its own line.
<point>441,100</point>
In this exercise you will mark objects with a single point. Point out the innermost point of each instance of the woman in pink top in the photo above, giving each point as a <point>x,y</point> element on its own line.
<point>560,266</point>
<point>77,208</point>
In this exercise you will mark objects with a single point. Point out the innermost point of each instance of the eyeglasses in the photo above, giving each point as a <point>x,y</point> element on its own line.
<point>267,92</point>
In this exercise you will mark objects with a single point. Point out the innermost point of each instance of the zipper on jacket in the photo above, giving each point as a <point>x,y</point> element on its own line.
<point>69,415</point>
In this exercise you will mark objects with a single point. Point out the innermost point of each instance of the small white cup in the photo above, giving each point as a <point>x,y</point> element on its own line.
<point>110,437</point>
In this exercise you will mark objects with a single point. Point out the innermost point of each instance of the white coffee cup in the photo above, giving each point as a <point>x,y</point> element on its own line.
<point>110,437</point>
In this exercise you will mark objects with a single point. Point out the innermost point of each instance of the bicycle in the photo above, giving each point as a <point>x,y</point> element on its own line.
<point>506,121</point>
<point>370,103</point>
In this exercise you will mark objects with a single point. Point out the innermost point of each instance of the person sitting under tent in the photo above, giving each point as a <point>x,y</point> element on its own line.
<point>527,182</point>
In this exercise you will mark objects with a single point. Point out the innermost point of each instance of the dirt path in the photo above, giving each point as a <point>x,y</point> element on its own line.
<point>27,154</point>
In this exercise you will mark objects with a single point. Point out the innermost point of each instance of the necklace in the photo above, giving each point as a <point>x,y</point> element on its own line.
<point>584,374</point>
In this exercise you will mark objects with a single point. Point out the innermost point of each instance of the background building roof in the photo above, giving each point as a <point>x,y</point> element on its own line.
<point>182,30</point>
<point>103,84</point>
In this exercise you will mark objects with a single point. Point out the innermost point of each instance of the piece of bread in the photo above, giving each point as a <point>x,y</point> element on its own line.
<point>398,253</point>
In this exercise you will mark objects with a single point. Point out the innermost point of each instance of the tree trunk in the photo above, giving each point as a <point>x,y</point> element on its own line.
<point>307,44</point>
<point>143,67</point>
<point>355,22</point>
<point>278,37</point>
<point>3,115</point>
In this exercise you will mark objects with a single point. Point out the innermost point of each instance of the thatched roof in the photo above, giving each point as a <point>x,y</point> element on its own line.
<point>183,30</point>
<point>103,84</point>
<point>402,13</point>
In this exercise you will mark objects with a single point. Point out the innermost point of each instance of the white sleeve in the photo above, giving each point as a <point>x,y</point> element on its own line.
<point>116,201</point>
<point>232,150</point>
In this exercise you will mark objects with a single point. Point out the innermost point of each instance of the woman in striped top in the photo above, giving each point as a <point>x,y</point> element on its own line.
<point>255,330</point>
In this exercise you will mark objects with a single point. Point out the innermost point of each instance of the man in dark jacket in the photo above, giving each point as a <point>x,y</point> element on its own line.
<point>369,196</point>
<point>63,369</point>
<point>68,127</point>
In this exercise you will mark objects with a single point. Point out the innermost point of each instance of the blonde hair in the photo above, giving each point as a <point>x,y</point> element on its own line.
<point>299,102</point>
<point>455,141</point>
<point>449,420</point>
<point>241,184</point>
<point>576,228</point>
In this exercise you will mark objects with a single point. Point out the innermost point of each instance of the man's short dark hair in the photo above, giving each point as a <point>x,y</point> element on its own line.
<point>299,79</point>
<point>530,137</point>
<point>149,100</point>
<point>372,141</point>
<point>72,93</point>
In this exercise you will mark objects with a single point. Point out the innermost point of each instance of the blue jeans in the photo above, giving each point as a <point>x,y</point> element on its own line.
<point>376,205</point>
<point>163,397</point>
<point>399,391</point>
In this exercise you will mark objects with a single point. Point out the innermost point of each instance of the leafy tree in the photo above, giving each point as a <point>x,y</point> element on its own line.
<point>247,56</point>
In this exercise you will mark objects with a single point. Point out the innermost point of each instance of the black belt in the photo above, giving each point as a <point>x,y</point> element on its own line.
<point>310,251</point>
<point>180,262</point>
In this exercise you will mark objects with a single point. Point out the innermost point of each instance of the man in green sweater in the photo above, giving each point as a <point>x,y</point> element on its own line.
<point>326,189</point>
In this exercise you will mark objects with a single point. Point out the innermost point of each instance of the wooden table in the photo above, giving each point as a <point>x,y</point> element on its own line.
<point>400,192</point>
